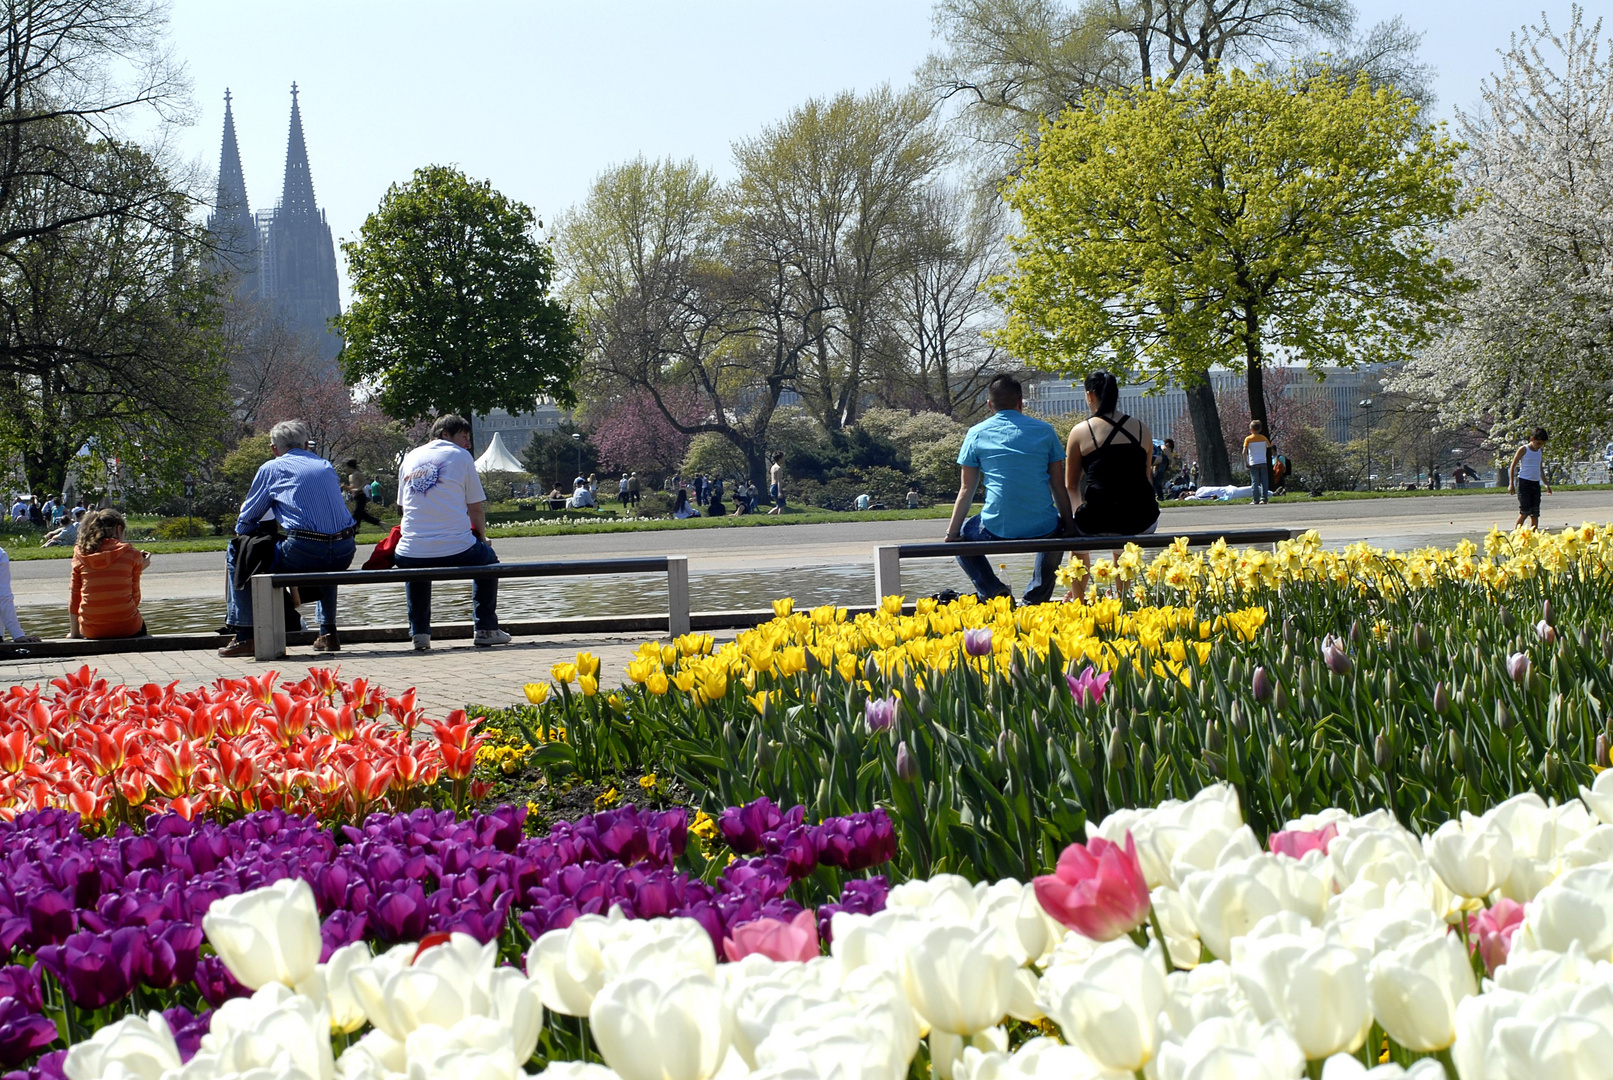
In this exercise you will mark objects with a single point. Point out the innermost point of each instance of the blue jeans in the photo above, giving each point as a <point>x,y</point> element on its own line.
<point>291,556</point>
<point>483,591</point>
<point>988,584</point>
<point>1260,477</point>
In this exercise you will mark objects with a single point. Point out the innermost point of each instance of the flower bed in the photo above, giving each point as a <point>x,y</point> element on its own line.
<point>1172,945</point>
<point>1425,684</point>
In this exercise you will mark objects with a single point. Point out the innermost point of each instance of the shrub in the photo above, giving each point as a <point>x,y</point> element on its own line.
<point>182,528</point>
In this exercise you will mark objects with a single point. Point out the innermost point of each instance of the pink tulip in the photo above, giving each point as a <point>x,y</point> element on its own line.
<point>1490,932</point>
<point>1088,687</point>
<point>977,642</point>
<point>1297,843</point>
<point>1097,889</point>
<point>776,939</point>
<point>1546,632</point>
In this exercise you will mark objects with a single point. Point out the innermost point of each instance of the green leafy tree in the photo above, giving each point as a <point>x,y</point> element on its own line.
<point>452,308</point>
<point>1226,220</point>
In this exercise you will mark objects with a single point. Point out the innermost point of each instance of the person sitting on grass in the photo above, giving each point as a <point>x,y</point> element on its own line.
<point>105,597</point>
<point>681,508</point>
<point>67,535</point>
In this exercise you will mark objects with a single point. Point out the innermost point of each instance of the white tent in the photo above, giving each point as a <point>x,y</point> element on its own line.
<point>497,459</point>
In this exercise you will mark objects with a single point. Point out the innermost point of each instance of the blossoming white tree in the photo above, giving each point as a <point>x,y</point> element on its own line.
<point>1534,344</point>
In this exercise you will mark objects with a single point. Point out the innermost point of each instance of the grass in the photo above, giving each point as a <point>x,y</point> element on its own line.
<point>798,515</point>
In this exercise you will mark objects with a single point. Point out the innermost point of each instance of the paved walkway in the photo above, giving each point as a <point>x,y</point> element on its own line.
<point>454,675</point>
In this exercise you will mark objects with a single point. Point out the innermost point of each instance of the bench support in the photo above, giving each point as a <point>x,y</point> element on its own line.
<point>268,619</point>
<point>677,595</point>
<point>887,572</point>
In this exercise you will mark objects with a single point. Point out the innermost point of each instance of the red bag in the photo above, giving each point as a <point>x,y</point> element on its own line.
<point>382,558</point>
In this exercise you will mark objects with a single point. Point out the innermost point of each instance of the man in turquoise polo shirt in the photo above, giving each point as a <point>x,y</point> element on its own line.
<point>1021,461</point>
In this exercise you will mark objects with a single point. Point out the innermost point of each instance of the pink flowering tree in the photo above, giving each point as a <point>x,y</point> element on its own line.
<point>633,433</point>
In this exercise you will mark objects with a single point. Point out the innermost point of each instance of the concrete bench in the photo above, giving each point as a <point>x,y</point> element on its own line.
<point>269,614</point>
<point>888,557</point>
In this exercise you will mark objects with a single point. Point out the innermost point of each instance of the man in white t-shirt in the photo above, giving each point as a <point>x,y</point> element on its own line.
<point>445,524</point>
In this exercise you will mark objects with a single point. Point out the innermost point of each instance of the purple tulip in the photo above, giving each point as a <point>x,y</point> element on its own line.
<point>1334,656</point>
<point>23,1032</point>
<point>216,983</point>
<point>1261,685</point>
<point>338,929</point>
<point>187,1029</point>
<point>856,841</point>
<point>906,769</point>
<point>170,956</point>
<point>880,712</point>
<point>977,642</point>
<point>21,984</point>
<point>742,826</point>
<point>1518,666</point>
<point>96,971</point>
<point>864,896</point>
<point>797,846</point>
<point>399,915</point>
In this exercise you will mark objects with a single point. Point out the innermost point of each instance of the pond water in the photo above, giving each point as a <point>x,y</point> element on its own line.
<point>539,598</point>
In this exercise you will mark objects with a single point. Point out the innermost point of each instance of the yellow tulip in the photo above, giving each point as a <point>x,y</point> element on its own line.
<point>536,692</point>
<point>891,605</point>
<point>564,673</point>
<point>588,664</point>
<point>657,683</point>
<point>589,684</point>
<point>684,680</point>
<point>782,608</point>
<point>758,701</point>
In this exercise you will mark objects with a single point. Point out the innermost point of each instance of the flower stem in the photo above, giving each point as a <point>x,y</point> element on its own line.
<point>1159,936</point>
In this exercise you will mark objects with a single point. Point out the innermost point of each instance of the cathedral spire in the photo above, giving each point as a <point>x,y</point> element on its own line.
<point>231,180</point>
<point>297,195</point>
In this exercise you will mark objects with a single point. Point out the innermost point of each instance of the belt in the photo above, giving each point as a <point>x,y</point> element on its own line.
<point>323,538</point>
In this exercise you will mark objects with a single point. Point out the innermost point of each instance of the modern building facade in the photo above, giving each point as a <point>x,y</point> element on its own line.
<point>284,256</point>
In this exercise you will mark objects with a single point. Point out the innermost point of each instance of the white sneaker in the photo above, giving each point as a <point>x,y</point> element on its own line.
<point>422,643</point>
<point>485,638</point>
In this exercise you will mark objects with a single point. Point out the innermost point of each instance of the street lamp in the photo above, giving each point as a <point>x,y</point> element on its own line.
<point>577,436</point>
<point>1365,405</point>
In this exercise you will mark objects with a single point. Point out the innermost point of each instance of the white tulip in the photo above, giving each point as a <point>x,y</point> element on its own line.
<point>444,985</point>
<point>1540,831</point>
<point>761,1004</point>
<point>267,935</point>
<point>1232,1048</point>
<point>1205,992</point>
<point>1473,856</point>
<point>273,1029</point>
<point>1591,849</point>
<point>960,980</point>
<point>517,1003</point>
<point>1577,907</point>
<point>1381,855</point>
<point>944,898</point>
<point>1176,922</point>
<point>879,993</point>
<point>1228,901</point>
<point>1415,988</point>
<point>1599,796</point>
<point>1040,1058</point>
<point>569,964</point>
<point>1011,907</point>
<point>1110,1005</point>
<point>836,1036</point>
<point>1539,969</point>
<point>659,948</point>
<point>649,1029</point>
<point>1529,875</point>
<point>140,1046</point>
<point>1344,1067</point>
<point>477,1046</point>
<point>575,1070</point>
<point>871,940</point>
<point>1313,984</point>
<point>372,1057</point>
<point>331,985</point>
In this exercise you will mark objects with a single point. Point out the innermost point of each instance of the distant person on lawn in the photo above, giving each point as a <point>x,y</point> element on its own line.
<point>1019,459</point>
<point>445,524</point>
<point>1526,474</point>
<point>105,597</point>
<point>298,491</point>
<point>1257,455</point>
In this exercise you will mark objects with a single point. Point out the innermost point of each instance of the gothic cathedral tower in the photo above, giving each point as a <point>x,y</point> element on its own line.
<point>283,257</point>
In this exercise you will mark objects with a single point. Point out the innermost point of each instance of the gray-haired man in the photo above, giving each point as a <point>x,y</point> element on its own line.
<point>304,494</point>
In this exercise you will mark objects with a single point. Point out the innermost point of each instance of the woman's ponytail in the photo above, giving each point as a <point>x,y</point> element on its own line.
<point>1103,386</point>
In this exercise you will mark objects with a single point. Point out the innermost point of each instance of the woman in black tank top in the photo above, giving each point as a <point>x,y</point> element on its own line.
<point>1109,467</point>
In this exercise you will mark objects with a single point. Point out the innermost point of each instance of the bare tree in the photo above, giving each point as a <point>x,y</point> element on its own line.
<point>938,356</point>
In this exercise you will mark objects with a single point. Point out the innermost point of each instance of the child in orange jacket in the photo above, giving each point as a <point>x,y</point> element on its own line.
<point>105,601</point>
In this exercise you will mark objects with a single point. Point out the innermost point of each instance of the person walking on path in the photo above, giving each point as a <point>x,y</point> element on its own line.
<point>1257,455</point>
<point>1019,459</point>
<point>358,485</point>
<point>8,605</point>
<point>299,492</point>
<point>1526,474</point>
<point>621,490</point>
<point>445,524</point>
<point>105,597</point>
<point>635,489</point>
<point>775,489</point>
<point>1165,462</point>
<point>1108,471</point>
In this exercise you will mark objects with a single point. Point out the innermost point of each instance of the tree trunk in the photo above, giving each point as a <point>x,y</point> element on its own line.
<point>755,458</point>
<point>1254,365</point>
<point>1214,468</point>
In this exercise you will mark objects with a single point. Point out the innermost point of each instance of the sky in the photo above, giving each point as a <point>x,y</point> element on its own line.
<point>540,96</point>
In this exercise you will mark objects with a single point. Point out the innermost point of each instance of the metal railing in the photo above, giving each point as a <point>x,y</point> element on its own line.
<point>269,614</point>
<point>888,557</point>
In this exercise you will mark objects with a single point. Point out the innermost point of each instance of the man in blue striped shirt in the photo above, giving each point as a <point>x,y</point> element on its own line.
<point>301,492</point>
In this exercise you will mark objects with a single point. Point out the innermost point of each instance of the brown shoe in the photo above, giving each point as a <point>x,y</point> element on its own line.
<point>237,647</point>
<point>327,643</point>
